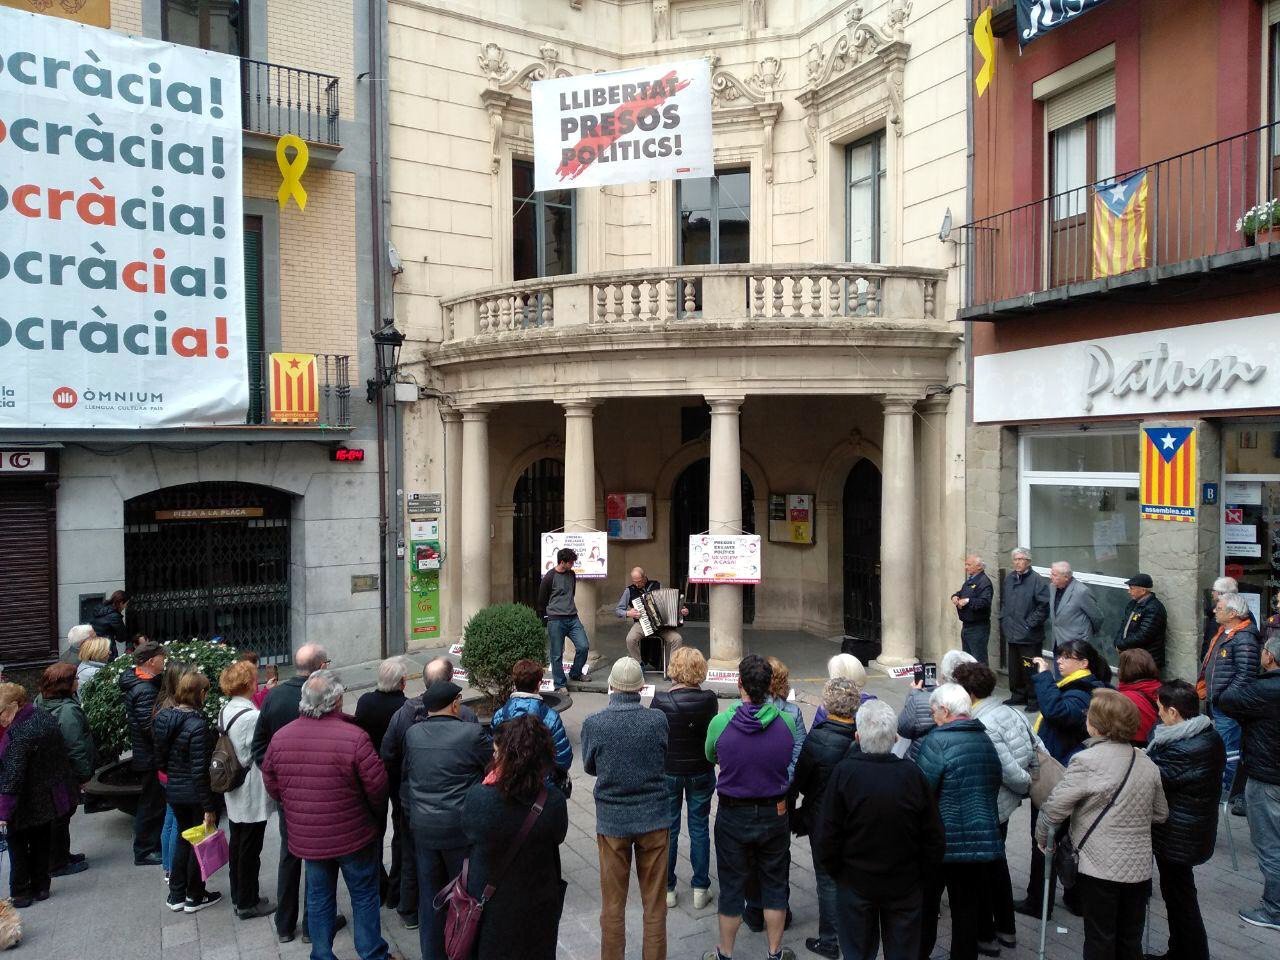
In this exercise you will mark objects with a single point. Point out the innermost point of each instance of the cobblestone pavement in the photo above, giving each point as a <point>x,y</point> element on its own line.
<point>115,910</point>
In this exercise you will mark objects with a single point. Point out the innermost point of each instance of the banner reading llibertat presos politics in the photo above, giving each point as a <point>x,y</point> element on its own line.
<point>628,126</point>
<point>121,234</point>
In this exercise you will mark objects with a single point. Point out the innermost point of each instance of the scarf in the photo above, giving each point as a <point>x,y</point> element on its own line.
<point>1061,685</point>
<point>1167,733</point>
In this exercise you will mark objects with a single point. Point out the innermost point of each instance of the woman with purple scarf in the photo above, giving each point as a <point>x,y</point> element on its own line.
<point>36,788</point>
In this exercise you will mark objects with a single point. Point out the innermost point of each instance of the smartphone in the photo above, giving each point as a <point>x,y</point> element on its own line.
<point>930,674</point>
<point>273,672</point>
<point>919,673</point>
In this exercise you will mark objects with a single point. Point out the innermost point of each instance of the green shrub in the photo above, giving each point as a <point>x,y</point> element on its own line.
<point>494,639</point>
<point>103,701</point>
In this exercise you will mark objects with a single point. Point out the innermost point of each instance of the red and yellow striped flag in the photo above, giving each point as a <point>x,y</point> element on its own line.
<point>1168,473</point>
<point>295,392</point>
<point>1120,226</point>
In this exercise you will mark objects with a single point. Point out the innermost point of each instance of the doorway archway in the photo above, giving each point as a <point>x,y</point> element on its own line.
<point>690,515</point>
<point>862,551</point>
<point>539,506</point>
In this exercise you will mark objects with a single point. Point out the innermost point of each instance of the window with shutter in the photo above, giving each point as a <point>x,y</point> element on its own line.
<point>28,589</point>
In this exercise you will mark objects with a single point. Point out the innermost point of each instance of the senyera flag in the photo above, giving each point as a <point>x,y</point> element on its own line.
<point>629,126</point>
<point>1168,473</point>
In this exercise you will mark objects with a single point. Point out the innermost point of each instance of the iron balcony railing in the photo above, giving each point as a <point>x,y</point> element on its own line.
<point>276,100</point>
<point>1068,245</point>
<point>332,395</point>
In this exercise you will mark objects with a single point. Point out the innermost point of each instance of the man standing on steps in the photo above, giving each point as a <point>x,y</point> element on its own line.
<point>973,606</point>
<point>1024,608</point>
<point>278,710</point>
<point>557,607</point>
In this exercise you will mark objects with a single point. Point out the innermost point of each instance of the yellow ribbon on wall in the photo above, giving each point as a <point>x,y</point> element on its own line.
<point>985,41</point>
<point>291,170</point>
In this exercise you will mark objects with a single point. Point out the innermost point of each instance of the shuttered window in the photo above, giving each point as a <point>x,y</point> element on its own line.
<point>28,582</point>
<point>253,315</point>
<point>1090,97</point>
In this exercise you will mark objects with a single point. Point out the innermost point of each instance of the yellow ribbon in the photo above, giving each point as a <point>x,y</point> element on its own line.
<point>985,41</point>
<point>292,170</point>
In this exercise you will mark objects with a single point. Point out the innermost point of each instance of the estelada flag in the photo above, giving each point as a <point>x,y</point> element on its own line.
<point>1168,473</point>
<point>1120,226</point>
<point>295,391</point>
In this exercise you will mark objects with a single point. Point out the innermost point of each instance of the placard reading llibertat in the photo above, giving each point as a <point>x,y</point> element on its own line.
<point>121,237</point>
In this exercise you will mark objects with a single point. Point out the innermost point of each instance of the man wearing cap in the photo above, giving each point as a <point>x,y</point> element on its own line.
<point>444,757</point>
<point>1144,620</point>
<point>624,747</point>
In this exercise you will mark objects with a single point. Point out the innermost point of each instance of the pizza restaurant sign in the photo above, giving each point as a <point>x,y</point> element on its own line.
<point>1225,365</point>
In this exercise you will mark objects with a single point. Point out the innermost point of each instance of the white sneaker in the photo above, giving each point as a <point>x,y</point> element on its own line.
<point>672,898</point>
<point>701,898</point>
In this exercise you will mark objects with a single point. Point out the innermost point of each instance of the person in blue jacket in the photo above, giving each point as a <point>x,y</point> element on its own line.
<point>526,701</point>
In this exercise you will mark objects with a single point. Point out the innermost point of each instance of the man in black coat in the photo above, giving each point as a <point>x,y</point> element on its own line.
<point>139,688</point>
<point>1144,620</point>
<point>1191,757</point>
<point>973,606</point>
<point>374,711</point>
<point>1024,608</point>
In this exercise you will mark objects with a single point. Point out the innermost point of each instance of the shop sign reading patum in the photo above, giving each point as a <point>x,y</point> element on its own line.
<point>1226,365</point>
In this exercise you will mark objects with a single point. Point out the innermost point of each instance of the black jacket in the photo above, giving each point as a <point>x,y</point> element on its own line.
<point>108,622</point>
<point>183,745</point>
<point>139,698</point>
<point>1024,608</point>
<point>1235,661</point>
<point>35,774</point>
<point>689,712</point>
<point>1256,705</point>
<point>444,757</point>
<point>979,592</point>
<point>1146,622</point>
<point>825,746</point>
<point>878,829</point>
<point>1191,773</point>
<point>374,711</point>
<point>280,708</point>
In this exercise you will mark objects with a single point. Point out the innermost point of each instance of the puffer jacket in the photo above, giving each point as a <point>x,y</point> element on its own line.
<point>1143,625</point>
<point>76,736</point>
<point>444,757</point>
<point>184,744</point>
<point>1234,660</point>
<point>330,783</point>
<point>108,622</point>
<point>792,710</point>
<point>963,769</point>
<point>1191,757</point>
<point>689,712</point>
<point>524,704</point>
<point>1142,694</point>
<point>140,692</point>
<point>1256,705</point>
<point>1015,746</point>
<point>824,747</point>
<point>915,720</point>
<point>1120,847</point>
<point>36,783</point>
<point>1063,708</point>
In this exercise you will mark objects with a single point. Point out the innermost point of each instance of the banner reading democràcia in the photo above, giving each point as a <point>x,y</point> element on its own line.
<point>629,126</point>
<point>1038,17</point>
<point>121,236</point>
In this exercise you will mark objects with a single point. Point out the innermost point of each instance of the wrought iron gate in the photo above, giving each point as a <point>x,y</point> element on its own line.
<point>211,559</point>
<point>690,515</point>
<point>539,507</point>
<point>862,552</point>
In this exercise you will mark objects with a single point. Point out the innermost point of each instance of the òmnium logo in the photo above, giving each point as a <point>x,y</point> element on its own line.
<point>65,398</point>
<point>126,400</point>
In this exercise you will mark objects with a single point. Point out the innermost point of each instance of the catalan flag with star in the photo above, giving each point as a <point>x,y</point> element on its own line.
<point>1120,225</point>
<point>1168,474</point>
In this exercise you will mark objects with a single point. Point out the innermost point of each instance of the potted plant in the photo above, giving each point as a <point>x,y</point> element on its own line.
<point>1261,222</point>
<point>492,641</point>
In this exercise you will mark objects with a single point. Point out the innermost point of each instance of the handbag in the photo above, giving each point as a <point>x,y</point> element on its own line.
<point>1048,774</point>
<point>462,921</point>
<point>1066,856</point>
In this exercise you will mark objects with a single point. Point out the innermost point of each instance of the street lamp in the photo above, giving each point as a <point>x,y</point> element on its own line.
<point>387,341</point>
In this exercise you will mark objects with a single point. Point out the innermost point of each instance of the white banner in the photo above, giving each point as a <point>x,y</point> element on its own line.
<point>592,548</point>
<point>724,559</point>
<point>121,234</point>
<point>629,126</point>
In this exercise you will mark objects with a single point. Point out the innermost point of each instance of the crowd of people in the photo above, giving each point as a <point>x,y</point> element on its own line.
<point>898,807</point>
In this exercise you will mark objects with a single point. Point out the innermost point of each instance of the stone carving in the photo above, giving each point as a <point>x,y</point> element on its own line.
<point>767,76</point>
<point>493,62</point>
<point>661,20</point>
<point>757,15</point>
<point>728,88</point>
<point>505,83</point>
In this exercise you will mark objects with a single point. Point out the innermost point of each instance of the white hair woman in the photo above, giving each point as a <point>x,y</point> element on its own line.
<point>844,666</point>
<point>916,719</point>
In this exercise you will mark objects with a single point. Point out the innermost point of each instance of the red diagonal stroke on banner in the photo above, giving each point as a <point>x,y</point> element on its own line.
<point>602,141</point>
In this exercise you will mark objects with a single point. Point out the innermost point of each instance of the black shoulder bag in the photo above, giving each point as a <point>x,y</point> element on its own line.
<point>1066,856</point>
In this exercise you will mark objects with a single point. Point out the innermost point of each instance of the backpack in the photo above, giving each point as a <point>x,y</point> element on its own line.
<point>226,773</point>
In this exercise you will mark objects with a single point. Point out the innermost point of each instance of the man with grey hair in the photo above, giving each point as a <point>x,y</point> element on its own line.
<point>1221,586</point>
<point>1024,608</point>
<point>1073,611</point>
<point>1231,661</point>
<point>374,711</point>
<point>973,606</point>
<point>1255,703</point>
<point>76,636</point>
<point>332,790</point>
<point>878,835</point>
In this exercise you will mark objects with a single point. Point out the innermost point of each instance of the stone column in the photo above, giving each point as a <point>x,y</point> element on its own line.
<point>451,583</point>
<point>938,617</point>
<point>898,566</point>
<point>580,495</point>
<point>476,509</point>
<point>725,516</point>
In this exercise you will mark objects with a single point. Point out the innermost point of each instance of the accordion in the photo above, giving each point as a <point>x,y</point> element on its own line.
<point>658,608</point>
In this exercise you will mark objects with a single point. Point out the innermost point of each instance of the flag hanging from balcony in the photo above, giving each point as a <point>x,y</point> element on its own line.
<point>1038,17</point>
<point>1120,226</point>
<point>295,391</point>
<point>1168,473</point>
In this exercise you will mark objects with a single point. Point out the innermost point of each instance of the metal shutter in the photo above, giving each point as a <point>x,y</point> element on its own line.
<point>1080,101</point>
<point>28,579</point>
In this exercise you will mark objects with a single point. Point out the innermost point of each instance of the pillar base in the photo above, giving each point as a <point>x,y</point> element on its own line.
<point>722,664</point>
<point>895,661</point>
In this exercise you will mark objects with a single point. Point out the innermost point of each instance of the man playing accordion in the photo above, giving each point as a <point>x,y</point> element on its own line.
<point>639,586</point>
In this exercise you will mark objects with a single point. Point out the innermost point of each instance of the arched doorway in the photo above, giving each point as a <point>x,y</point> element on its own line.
<point>210,560</point>
<point>862,551</point>
<point>539,507</point>
<point>690,515</point>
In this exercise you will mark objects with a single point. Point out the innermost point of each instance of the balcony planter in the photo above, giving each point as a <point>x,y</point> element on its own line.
<point>1266,235</point>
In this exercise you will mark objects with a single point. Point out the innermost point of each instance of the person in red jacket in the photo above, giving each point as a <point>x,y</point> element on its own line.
<point>1140,682</point>
<point>332,787</point>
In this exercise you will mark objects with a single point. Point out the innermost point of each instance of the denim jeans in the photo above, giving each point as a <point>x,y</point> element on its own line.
<point>828,905</point>
<point>753,843</point>
<point>557,630</point>
<point>168,838</point>
<point>698,788</point>
<point>1262,807</point>
<point>1229,731</point>
<point>435,869</point>
<point>864,921</point>
<point>360,870</point>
